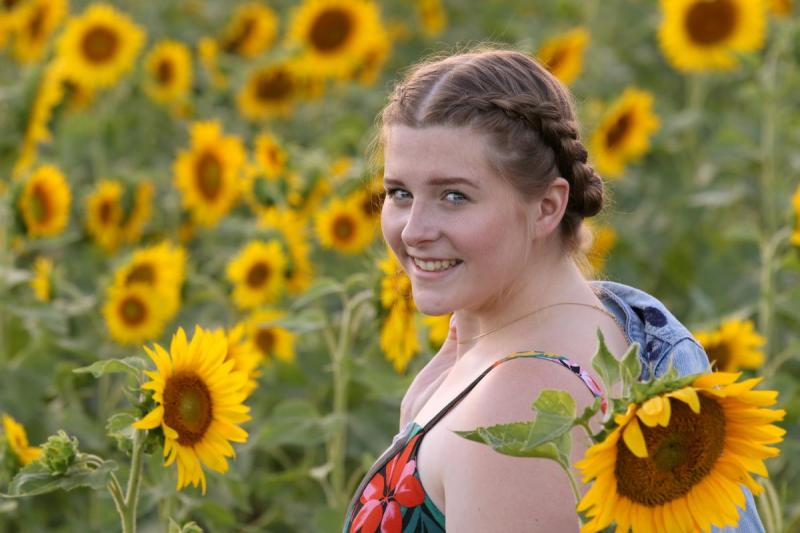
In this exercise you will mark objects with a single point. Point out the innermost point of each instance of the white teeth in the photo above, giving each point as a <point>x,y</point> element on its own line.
<point>434,265</point>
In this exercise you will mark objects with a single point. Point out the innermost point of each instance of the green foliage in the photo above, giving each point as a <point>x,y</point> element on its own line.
<point>59,453</point>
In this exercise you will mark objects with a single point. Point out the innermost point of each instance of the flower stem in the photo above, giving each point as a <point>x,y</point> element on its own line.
<point>134,480</point>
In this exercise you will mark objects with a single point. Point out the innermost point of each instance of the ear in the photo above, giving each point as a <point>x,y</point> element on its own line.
<point>551,207</point>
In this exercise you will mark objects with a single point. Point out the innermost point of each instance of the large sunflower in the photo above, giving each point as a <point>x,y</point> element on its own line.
<point>292,226</point>
<point>271,340</point>
<point>44,202</point>
<point>563,54</point>
<point>343,227</point>
<point>251,31</point>
<point>169,72</point>
<point>134,314</point>
<point>681,468</point>
<point>697,35</point>
<point>258,274</point>
<point>104,213</point>
<point>270,91</point>
<point>333,34</point>
<point>159,269</point>
<point>199,401</point>
<point>208,174</point>
<point>624,132</point>
<point>100,45</point>
<point>18,441</point>
<point>734,345</point>
<point>38,20</point>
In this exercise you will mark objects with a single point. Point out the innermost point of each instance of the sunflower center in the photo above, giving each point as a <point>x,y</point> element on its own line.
<point>265,340</point>
<point>209,175</point>
<point>556,59</point>
<point>142,274</point>
<point>9,4</point>
<point>132,311</point>
<point>719,354</point>
<point>330,30</point>
<point>187,407</point>
<point>165,72</point>
<point>100,44</point>
<point>343,228</point>
<point>275,85</point>
<point>36,23</point>
<point>257,275</point>
<point>618,130</point>
<point>709,23</point>
<point>40,204</point>
<point>680,455</point>
<point>105,211</point>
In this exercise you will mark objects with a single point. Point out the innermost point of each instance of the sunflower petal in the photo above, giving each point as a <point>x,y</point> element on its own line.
<point>634,439</point>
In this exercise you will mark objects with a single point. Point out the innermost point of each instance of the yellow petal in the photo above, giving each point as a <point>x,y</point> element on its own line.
<point>634,439</point>
<point>153,419</point>
<point>688,395</point>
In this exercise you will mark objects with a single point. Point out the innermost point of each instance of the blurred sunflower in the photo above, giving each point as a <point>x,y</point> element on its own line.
<point>208,174</point>
<point>376,52</point>
<point>271,341</point>
<point>563,54</point>
<point>199,401</point>
<point>40,282</point>
<point>432,16</point>
<point>44,202</point>
<point>270,91</point>
<point>438,329</point>
<point>10,12</point>
<point>293,228</point>
<point>692,446</point>
<point>134,314</point>
<point>100,45</point>
<point>270,155</point>
<point>261,193</point>
<point>370,199</point>
<point>602,241</point>
<point>398,337</point>
<point>38,20</point>
<point>734,345</point>
<point>781,8</point>
<point>17,439</point>
<point>208,52</point>
<point>332,34</point>
<point>395,283</point>
<point>251,31</point>
<point>160,269</point>
<point>624,132</point>
<point>698,35</point>
<point>246,358</point>
<point>257,274</point>
<point>104,213</point>
<point>139,213</point>
<point>341,226</point>
<point>168,68</point>
<point>795,238</point>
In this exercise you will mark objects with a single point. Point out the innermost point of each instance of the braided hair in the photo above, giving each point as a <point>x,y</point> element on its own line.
<point>527,113</point>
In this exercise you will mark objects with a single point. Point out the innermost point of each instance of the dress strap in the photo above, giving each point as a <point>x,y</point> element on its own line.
<point>590,382</point>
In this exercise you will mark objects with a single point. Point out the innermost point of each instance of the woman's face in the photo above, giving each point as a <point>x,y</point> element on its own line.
<point>444,203</point>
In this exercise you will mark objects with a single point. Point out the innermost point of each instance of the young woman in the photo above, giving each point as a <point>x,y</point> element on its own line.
<point>487,184</point>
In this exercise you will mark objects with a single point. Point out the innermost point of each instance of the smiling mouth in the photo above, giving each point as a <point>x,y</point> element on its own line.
<point>435,266</point>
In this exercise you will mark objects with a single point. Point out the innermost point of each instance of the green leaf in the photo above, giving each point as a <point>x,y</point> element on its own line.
<point>35,478</point>
<point>188,527</point>
<point>631,367</point>
<point>133,366</point>
<point>118,427</point>
<point>605,364</point>
<point>292,422</point>
<point>323,287</point>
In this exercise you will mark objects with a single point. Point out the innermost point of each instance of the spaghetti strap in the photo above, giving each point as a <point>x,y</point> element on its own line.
<point>587,379</point>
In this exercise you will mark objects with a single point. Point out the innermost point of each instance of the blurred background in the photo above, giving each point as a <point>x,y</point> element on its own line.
<point>179,163</point>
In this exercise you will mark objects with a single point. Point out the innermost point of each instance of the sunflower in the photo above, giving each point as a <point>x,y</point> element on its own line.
<point>598,249</point>
<point>134,314</point>
<point>333,34</point>
<point>10,13</point>
<point>45,201</point>
<point>563,54</point>
<point>371,197</point>
<point>251,31</point>
<point>208,174</point>
<point>293,228</point>
<point>398,337</point>
<point>781,8</point>
<point>395,283</point>
<point>208,51</point>
<point>139,213</point>
<point>343,227</point>
<point>681,468</point>
<point>160,270</point>
<point>270,91</point>
<point>104,213</point>
<point>698,35</point>
<point>199,401</point>
<point>38,20</point>
<point>734,345</point>
<point>624,132</point>
<point>100,46</point>
<point>245,356</point>
<point>257,273</point>
<point>40,282</point>
<point>270,155</point>
<point>438,329</point>
<point>168,67</point>
<point>271,341</point>
<point>432,16</point>
<point>18,440</point>
<point>795,239</point>
<point>376,52</point>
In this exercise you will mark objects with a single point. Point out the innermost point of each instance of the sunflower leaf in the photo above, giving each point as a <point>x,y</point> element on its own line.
<point>130,365</point>
<point>35,478</point>
<point>323,287</point>
<point>631,368</point>
<point>605,364</point>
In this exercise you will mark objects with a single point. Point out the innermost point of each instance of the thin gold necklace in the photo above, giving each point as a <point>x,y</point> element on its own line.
<point>542,309</point>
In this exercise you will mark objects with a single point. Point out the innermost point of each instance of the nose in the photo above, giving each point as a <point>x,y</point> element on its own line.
<point>420,227</point>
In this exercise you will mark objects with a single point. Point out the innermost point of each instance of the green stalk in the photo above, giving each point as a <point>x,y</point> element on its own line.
<point>134,481</point>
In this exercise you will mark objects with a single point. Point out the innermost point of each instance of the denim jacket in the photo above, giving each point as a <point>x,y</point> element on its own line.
<point>663,339</point>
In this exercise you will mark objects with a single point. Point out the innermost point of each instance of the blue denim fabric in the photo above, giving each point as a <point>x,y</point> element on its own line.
<point>663,339</point>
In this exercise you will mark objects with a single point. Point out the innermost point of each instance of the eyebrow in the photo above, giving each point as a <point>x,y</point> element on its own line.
<point>437,181</point>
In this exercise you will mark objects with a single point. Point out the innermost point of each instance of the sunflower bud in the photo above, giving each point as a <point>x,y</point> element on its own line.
<point>59,452</point>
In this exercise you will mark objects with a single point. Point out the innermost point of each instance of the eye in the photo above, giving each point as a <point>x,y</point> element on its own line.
<point>390,193</point>
<point>460,198</point>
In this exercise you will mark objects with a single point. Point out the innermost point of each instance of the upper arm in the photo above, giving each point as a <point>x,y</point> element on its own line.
<point>487,491</point>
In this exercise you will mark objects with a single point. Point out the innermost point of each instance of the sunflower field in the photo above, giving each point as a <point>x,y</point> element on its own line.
<point>201,327</point>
